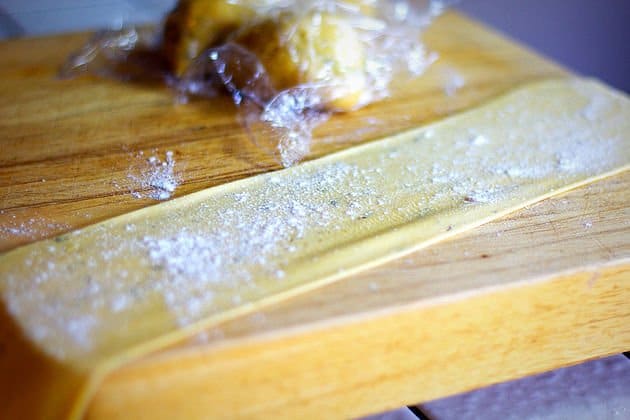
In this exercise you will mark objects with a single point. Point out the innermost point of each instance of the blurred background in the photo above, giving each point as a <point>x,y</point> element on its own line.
<point>588,36</point>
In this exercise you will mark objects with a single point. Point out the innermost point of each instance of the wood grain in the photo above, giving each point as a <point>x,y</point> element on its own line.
<point>68,145</point>
<point>546,287</point>
<point>365,367</point>
<point>477,310</point>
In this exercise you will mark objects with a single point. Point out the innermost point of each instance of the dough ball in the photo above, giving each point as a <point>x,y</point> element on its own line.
<point>195,25</point>
<point>317,48</point>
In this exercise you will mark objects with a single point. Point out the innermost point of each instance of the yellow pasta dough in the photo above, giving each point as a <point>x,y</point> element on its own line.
<point>93,299</point>
<point>318,49</point>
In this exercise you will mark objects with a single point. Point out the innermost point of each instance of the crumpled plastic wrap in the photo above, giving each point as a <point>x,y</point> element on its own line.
<point>287,65</point>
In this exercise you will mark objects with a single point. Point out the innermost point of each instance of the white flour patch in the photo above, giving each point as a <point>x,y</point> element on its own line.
<point>31,228</point>
<point>452,81</point>
<point>155,178</point>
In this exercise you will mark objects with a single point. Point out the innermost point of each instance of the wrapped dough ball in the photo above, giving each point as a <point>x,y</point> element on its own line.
<point>318,48</point>
<point>195,25</point>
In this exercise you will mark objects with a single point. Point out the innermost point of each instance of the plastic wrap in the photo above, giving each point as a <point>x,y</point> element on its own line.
<point>287,65</point>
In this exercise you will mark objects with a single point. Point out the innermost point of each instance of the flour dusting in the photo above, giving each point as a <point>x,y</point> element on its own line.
<point>238,243</point>
<point>156,178</point>
<point>254,234</point>
<point>31,228</point>
<point>452,81</point>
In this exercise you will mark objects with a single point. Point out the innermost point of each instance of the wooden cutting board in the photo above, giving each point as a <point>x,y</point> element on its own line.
<point>543,288</point>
